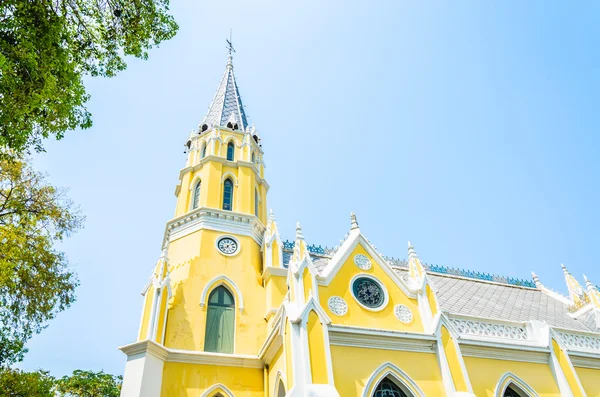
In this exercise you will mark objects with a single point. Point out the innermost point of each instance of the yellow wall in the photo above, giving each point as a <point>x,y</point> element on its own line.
<point>277,365</point>
<point>148,300</point>
<point>195,261</point>
<point>564,362</point>
<point>590,380</point>
<point>453,358</point>
<point>191,380</point>
<point>431,299</point>
<point>352,368</point>
<point>357,315</point>
<point>316,347</point>
<point>307,283</point>
<point>485,374</point>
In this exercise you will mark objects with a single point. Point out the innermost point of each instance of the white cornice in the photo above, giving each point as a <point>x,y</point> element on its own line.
<point>529,354</point>
<point>191,357</point>
<point>585,360</point>
<point>341,335</point>
<point>271,271</point>
<point>213,219</point>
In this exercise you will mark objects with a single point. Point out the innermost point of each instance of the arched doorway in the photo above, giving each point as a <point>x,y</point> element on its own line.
<point>280,389</point>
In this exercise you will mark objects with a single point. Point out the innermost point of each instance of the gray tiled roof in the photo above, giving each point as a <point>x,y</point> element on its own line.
<point>505,302</point>
<point>227,103</point>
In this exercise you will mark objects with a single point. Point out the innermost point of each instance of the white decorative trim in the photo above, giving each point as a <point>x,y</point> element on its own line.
<point>580,342</point>
<point>218,386</point>
<point>386,297</point>
<point>192,357</point>
<point>341,335</point>
<point>507,379</point>
<point>229,284</point>
<point>524,354</point>
<point>337,305</point>
<point>237,243</point>
<point>469,327</point>
<point>214,219</point>
<point>362,261</point>
<point>388,369</point>
<point>403,314</point>
<point>231,176</point>
<point>585,361</point>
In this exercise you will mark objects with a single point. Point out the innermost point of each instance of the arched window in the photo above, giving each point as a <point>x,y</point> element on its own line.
<point>230,151</point>
<point>280,389</point>
<point>196,198</point>
<point>388,388</point>
<point>513,391</point>
<point>253,157</point>
<point>203,151</point>
<point>220,318</point>
<point>256,202</point>
<point>227,194</point>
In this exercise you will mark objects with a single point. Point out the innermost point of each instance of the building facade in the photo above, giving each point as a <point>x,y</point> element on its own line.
<point>232,310</point>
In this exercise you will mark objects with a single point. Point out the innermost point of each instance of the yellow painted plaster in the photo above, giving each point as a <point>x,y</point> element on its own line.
<point>453,358</point>
<point>485,374</point>
<point>192,380</point>
<point>195,261</point>
<point>162,313</point>
<point>590,380</point>
<point>431,299</point>
<point>357,315</point>
<point>564,362</point>
<point>353,366</point>
<point>148,300</point>
<point>277,365</point>
<point>307,283</point>
<point>316,347</point>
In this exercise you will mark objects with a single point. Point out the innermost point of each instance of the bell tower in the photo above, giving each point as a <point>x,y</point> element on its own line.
<point>206,297</point>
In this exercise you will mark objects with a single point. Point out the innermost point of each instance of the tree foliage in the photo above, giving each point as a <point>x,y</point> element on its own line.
<point>89,384</point>
<point>17,383</point>
<point>35,281</point>
<point>47,46</point>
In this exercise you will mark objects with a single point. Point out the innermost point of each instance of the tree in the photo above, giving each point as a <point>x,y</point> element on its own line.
<point>89,384</point>
<point>35,281</point>
<point>16,383</point>
<point>47,46</point>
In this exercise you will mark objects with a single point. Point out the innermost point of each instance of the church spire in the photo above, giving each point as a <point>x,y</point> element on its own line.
<point>226,109</point>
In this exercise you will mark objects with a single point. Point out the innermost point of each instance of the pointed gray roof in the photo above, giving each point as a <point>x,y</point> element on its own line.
<point>227,104</point>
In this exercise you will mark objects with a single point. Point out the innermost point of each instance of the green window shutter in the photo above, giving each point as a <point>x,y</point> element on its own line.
<point>220,322</point>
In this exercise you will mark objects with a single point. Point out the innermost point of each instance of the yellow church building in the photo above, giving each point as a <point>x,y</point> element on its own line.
<point>232,310</point>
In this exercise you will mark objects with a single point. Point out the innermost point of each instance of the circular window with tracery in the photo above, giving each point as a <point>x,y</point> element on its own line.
<point>362,261</point>
<point>368,292</point>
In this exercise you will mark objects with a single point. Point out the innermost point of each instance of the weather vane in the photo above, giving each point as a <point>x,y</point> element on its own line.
<point>229,44</point>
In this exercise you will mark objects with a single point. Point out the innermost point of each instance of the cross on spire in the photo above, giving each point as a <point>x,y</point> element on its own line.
<point>230,44</point>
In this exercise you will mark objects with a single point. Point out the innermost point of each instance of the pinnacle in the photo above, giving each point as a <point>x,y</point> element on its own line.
<point>353,221</point>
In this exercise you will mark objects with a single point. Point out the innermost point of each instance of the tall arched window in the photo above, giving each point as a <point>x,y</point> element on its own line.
<point>230,151</point>
<point>388,388</point>
<point>227,194</point>
<point>256,202</point>
<point>253,157</point>
<point>196,198</point>
<point>203,151</point>
<point>513,391</point>
<point>220,318</point>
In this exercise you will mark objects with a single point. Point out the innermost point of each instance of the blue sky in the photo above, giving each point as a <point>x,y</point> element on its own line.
<point>469,128</point>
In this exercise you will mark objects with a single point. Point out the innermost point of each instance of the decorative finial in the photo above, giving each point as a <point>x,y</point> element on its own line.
<point>271,215</point>
<point>588,283</point>
<point>564,268</point>
<point>299,235</point>
<point>353,221</point>
<point>536,279</point>
<point>411,251</point>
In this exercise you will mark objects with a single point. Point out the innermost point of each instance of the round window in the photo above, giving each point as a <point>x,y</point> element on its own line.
<point>368,292</point>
